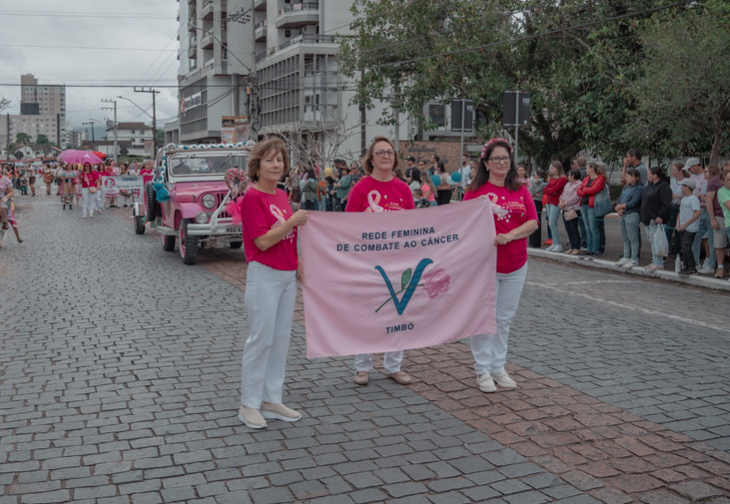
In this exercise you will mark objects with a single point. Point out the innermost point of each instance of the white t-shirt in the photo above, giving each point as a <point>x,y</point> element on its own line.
<point>465,176</point>
<point>701,184</point>
<point>687,209</point>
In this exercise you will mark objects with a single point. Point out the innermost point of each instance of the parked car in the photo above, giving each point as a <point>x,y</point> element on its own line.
<point>186,201</point>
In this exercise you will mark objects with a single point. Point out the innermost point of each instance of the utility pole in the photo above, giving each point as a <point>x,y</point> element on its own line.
<point>116,149</point>
<point>154,115</point>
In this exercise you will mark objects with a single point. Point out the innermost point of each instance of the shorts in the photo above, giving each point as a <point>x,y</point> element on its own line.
<point>720,236</point>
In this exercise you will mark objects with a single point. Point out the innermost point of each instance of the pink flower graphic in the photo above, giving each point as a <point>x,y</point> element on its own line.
<point>435,282</point>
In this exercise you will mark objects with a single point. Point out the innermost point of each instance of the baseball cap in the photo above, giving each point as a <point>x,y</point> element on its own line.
<point>691,162</point>
<point>689,182</point>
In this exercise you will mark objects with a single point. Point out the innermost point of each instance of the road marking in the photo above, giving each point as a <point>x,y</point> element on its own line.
<point>630,307</point>
<point>600,281</point>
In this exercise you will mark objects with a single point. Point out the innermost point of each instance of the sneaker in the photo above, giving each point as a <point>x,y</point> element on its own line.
<point>685,272</point>
<point>486,383</point>
<point>705,263</point>
<point>557,248</point>
<point>64,207</point>
<point>720,273</point>
<point>630,264</point>
<point>251,417</point>
<point>550,248</point>
<point>401,377</point>
<point>362,377</point>
<point>623,261</point>
<point>503,380</point>
<point>272,411</point>
<point>706,270</point>
<point>652,267</point>
<point>548,242</point>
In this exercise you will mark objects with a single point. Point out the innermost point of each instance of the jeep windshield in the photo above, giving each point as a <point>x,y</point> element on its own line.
<point>205,164</point>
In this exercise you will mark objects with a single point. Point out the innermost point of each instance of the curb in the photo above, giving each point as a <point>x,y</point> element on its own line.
<point>669,276</point>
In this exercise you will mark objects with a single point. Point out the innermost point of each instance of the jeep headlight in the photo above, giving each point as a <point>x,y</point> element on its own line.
<point>209,201</point>
<point>201,218</point>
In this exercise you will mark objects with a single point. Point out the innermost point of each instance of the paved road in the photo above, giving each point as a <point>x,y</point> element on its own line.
<point>119,371</point>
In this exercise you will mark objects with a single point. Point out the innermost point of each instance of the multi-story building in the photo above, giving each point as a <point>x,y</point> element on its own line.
<point>78,137</point>
<point>136,138</point>
<point>42,111</point>
<point>274,62</point>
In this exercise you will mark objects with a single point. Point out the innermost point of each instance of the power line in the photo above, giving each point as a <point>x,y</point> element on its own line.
<point>88,48</point>
<point>75,15</point>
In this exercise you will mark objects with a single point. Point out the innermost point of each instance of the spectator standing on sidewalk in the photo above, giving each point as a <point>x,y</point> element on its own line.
<point>443,190</point>
<point>570,204</point>
<point>515,219</point>
<point>633,160</point>
<point>590,186</point>
<point>537,186</point>
<point>552,192</point>
<point>428,189</point>
<point>697,173</point>
<point>628,206</point>
<point>716,217</point>
<point>380,191</point>
<point>687,225</point>
<point>656,205</point>
<point>342,187</point>
<point>676,175</point>
<point>270,242</point>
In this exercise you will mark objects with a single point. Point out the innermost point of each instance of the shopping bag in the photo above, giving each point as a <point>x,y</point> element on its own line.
<point>659,243</point>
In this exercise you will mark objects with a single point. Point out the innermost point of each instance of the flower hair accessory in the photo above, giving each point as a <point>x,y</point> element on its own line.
<point>492,141</point>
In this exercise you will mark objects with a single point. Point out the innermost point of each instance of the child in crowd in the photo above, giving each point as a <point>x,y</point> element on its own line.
<point>421,202</point>
<point>688,225</point>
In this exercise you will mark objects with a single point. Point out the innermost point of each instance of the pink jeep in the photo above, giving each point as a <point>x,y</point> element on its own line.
<point>186,202</point>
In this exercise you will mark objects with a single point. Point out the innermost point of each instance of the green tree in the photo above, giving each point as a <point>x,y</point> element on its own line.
<point>4,103</point>
<point>42,140</point>
<point>684,89</point>
<point>576,57</point>
<point>23,138</point>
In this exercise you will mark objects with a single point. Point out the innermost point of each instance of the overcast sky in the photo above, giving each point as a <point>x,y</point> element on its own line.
<point>123,43</point>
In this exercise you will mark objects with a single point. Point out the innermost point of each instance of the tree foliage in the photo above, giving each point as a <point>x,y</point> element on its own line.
<point>23,138</point>
<point>684,89</point>
<point>42,140</point>
<point>578,59</point>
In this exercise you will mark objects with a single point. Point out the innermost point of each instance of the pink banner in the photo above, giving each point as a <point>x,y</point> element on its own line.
<point>379,282</point>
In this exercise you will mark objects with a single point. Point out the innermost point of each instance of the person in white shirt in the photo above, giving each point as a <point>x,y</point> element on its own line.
<point>697,174</point>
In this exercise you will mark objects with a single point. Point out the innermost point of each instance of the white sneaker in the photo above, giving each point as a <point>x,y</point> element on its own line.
<point>485,383</point>
<point>557,248</point>
<point>503,380</point>
<point>623,261</point>
<point>653,267</point>
<point>550,248</point>
<point>706,270</point>
<point>630,264</point>
<point>706,263</point>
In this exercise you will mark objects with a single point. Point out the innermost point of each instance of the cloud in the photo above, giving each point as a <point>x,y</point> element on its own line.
<point>62,43</point>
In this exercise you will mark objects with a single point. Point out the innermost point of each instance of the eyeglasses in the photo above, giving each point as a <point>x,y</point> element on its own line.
<point>499,160</point>
<point>385,153</point>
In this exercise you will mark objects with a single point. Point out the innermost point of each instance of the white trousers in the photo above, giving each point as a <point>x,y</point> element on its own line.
<point>391,362</point>
<point>270,296</point>
<point>89,201</point>
<point>100,199</point>
<point>490,350</point>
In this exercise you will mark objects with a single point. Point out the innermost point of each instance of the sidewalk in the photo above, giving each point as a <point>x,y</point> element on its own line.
<point>615,248</point>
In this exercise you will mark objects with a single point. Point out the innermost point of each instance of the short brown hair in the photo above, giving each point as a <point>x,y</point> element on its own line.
<point>367,164</point>
<point>260,150</point>
<point>582,161</point>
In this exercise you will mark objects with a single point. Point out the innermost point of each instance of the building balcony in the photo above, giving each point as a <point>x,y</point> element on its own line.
<point>259,5</point>
<point>260,31</point>
<point>206,41</point>
<point>297,15</point>
<point>308,39</point>
<point>206,12</point>
<point>192,50</point>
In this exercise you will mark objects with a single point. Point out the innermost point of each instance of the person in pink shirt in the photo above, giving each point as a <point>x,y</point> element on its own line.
<point>89,179</point>
<point>380,191</point>
<point>270,242</point>
<point>515,218</point>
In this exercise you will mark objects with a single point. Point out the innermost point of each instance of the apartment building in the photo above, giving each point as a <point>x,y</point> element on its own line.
<point>42,111</point>
<point>273,62</point>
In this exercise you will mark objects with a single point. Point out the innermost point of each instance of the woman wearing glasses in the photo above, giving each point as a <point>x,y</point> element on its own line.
<point>515,218</point>
<point>380,191</point>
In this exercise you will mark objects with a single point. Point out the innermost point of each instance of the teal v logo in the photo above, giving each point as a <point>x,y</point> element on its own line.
<point>409,282</point>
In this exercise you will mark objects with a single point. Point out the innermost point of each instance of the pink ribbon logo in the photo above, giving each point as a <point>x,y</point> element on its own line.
<point>374,202</point>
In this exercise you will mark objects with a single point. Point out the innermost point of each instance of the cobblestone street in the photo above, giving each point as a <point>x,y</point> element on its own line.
<point>120,371</point>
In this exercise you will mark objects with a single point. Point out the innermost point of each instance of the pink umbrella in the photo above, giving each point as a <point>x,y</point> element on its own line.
<point>78,156</point>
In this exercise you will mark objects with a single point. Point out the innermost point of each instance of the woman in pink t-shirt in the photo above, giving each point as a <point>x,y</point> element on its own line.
<point>381,191</point>
<point>270,243</point>
<point>515,218</point>
<point>88,178</point>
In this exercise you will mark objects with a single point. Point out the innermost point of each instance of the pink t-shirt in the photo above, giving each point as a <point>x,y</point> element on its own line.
<point>370,195</point>
<point>89,179</point>
<point>262,212</point>
<point>511,210</point>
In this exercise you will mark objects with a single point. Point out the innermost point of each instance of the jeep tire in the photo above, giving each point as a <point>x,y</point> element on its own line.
<point>188,244</point>
<point>236,244</point>
<point>151,202</point>
<point>139,224</point>
<point>168,243</point>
